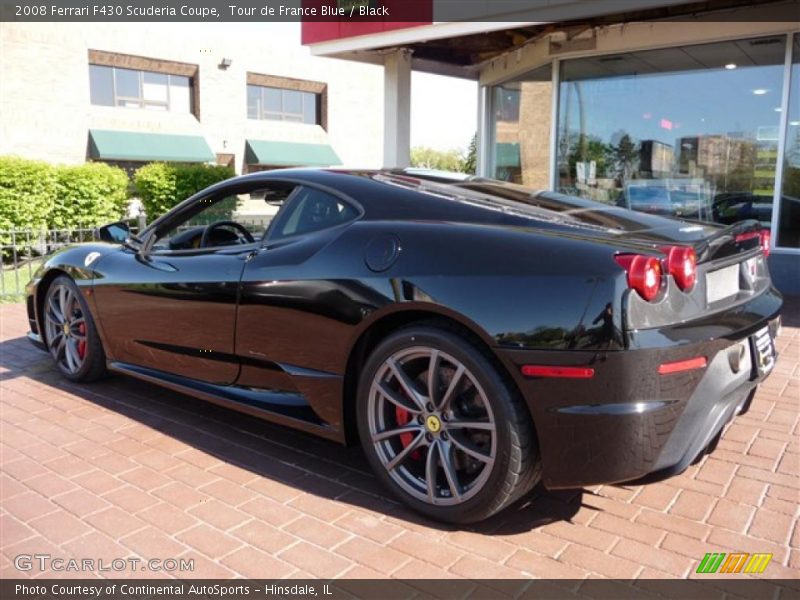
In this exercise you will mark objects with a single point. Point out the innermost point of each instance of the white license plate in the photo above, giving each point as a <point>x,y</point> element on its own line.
<point>763,351</point>
<point>722,284</point>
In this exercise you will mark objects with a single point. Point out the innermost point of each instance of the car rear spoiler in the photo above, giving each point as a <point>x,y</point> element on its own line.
<point>738,238</point>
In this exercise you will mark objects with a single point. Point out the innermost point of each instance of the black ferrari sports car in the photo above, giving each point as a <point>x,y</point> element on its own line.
<point>474,335</point>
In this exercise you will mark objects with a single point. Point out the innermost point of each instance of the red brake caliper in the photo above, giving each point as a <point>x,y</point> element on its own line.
<point>403,417</point>
<point>82,343</point>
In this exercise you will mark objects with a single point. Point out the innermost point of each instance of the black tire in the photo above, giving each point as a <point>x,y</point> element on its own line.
<point>516,466</point>
<point>92,363</point>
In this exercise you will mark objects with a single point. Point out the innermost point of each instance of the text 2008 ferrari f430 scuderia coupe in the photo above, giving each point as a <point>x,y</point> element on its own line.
<point>475,336</point>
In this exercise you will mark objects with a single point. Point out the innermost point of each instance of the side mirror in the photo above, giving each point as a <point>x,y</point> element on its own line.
<point>114,233</point>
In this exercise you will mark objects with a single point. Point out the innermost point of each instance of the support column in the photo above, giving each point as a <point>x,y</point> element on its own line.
<point>397,109</point>
<point>485,166</point>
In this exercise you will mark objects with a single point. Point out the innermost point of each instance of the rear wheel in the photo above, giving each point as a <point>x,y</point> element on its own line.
<point>442,428</point>
<point>70,332</point>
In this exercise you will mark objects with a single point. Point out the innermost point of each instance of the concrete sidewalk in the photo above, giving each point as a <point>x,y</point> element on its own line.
<point>121,468</point>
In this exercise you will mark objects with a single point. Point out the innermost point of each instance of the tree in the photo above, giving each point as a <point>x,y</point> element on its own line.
<point>471,160</point>
<point>588,148</point>
<point>625,154</point>
<point>428,158</point>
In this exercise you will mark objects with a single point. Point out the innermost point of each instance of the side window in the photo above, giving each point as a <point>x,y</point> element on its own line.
<point>311,210</point>
<point>242,217</point>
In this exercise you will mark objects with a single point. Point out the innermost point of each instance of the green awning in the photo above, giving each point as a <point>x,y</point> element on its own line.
<point>289,154</point>
<point>148,147</point>
<point>507,155</point>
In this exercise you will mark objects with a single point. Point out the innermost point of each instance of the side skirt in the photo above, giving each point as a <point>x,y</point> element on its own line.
<point>276,407</point>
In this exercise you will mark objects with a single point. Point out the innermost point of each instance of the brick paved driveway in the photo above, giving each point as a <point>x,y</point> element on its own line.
<point>122,468</point>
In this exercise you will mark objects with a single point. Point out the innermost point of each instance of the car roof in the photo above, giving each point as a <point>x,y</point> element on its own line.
<point>419,194</point>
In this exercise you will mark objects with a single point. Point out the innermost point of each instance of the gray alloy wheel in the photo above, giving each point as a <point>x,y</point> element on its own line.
<point>65,328</point>
<point>70,333</point>
<point>443,426</point>
<point>432,426</point>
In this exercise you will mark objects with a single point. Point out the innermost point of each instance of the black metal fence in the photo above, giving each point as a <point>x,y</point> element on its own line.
<point>23,250</point>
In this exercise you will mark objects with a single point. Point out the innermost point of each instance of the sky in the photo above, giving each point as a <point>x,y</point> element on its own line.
<point>444,110</point>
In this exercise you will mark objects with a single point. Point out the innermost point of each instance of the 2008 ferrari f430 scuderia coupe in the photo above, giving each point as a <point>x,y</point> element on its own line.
<point>474,335</point>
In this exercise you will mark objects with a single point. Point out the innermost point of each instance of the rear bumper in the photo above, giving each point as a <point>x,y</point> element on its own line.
<point>628,422</point>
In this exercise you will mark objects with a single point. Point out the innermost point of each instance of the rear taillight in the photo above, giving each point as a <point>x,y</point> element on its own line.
<point>765,235</point>
<point>644,273</point>
<point>681,263</point>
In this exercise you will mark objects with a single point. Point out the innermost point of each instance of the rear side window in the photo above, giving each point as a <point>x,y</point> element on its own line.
<point>311,210</point>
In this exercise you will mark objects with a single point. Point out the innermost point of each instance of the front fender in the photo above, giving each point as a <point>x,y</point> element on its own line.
<point>79,263</point>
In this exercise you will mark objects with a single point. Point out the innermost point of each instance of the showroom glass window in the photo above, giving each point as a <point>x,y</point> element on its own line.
<point>789,220</point>
<point>522,124</point>
<point>130,88</point>
<point>688,131</point>
<point>280,104</point>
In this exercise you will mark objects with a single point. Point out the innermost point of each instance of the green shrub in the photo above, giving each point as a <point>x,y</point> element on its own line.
<point>155,185</point>
<point>27,193</point>
<point>193,178</point>
<point>163,185</point>
<point>89,195</point>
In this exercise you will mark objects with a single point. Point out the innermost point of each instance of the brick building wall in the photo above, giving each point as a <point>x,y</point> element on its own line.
<point>47,113</point>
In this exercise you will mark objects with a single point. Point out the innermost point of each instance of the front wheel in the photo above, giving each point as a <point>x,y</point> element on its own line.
<point>70,332</point>
<point>442,428</point>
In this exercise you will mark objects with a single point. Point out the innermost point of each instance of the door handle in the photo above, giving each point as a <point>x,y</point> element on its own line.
<point>163,266</point>
<point>247,256</point>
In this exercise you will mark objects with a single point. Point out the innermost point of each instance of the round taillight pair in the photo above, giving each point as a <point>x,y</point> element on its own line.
<point>644,274</point>
<point>682,265</point>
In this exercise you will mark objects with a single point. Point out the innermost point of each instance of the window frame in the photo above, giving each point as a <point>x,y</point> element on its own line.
<point>318,88</point>
<point>164,224</point>
<point>268,242</point>
<point>263,114</point>
<point>142,102</point>
<point>151,235</point>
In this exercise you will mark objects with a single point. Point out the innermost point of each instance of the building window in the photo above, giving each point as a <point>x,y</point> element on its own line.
<point>280,104</point>
<point>789,219</point>
<point>522,123</point>
<point>131,88</point>
<point>687,131</point>
<point>506,102</point>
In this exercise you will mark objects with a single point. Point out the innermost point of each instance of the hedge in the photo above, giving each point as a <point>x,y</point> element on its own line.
<point>35,194</point>
<point>27,193</point>
<point>162,185</point>
<point>90,194</point>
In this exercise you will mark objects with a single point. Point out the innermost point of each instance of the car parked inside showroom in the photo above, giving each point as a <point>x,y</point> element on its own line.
<point>476,337</point>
